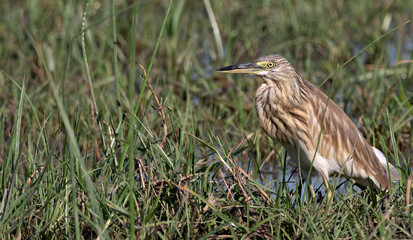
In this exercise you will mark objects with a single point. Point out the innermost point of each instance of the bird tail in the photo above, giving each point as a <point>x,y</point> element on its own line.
<point>394,174</point>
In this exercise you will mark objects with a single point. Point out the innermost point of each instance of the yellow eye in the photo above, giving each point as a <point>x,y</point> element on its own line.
<point>270,64</point>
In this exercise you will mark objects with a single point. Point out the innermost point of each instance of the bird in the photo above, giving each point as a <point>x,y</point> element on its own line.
<point>316,133</point>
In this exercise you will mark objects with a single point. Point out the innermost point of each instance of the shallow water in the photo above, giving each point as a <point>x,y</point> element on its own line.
<point>272,175</point>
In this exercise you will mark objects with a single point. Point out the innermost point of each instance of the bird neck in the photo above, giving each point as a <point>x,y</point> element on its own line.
<point>289,88</point>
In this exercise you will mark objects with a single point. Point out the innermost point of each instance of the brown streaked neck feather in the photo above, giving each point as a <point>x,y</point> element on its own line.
<point>290,93</point>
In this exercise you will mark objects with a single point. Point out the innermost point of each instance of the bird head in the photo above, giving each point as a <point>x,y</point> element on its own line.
<point>268,67</point>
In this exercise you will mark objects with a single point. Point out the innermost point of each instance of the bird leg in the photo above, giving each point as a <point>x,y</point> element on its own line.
<point>310,187</point>
<point>307,179</point>
<point>329,192</point>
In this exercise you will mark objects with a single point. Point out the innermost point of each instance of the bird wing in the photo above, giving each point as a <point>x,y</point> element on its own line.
<point>343,143</point>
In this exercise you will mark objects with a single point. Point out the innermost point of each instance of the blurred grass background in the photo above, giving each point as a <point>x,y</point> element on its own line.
<point>77,163</point>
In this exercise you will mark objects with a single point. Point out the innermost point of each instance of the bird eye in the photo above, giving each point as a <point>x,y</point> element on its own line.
<point>270,64</point>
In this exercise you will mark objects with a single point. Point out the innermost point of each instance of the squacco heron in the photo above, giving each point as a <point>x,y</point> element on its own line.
<point>316,133</point>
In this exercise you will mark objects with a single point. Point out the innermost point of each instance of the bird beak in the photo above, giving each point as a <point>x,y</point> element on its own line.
<point>252,68</point>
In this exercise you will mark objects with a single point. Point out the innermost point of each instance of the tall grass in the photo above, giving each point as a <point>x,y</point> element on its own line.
<point>113,123</point>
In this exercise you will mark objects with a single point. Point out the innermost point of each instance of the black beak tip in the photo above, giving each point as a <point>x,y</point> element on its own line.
<point>224,68</point>
<point>239,66</point>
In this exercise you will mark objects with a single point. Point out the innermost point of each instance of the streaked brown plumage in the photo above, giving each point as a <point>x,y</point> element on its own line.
<point>300,116</point>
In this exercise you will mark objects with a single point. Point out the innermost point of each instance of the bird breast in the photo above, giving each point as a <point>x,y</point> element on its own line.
<point>280,119</point>
<point>286,122</point>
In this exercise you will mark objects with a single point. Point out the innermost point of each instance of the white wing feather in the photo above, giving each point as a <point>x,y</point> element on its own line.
<point>393,171</point>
